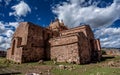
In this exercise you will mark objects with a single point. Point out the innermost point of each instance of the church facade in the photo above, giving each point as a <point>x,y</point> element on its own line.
<point>31,42</point>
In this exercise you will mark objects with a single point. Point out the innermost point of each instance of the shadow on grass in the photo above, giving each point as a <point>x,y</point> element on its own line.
<point>106,57</point>
<point>12,73</point>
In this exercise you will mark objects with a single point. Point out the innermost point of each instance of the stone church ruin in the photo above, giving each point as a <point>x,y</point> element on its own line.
<point>31,43</point>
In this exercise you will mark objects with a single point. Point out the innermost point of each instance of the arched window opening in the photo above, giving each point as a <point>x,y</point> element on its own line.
<point>13,47</point>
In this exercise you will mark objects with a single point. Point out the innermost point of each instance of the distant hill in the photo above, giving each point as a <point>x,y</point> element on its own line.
<point>112,51</point>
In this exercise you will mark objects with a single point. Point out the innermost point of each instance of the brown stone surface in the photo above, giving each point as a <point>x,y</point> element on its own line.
<point>85,29</point>
<point>33,43</point>
<point>71,48</point>
<point>65,48</point>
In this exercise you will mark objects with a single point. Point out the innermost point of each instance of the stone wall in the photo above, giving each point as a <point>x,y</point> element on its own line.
<point>56,27</point>
<point>34,50</point>
<point>96,50</point>
<point>71,48</point>
<point>37,44</point>
<point>32,54</point>
<point>27,43</point>
<point>47,35</point>
<point>84,49</point>
<point>63,40</point>
<point>22,32</point>
<point>87,46</point>
<point>65,49</point>
<point>19,40</point>
<point>8,56</point>
<point>2,53</point>
<point>85,29</point>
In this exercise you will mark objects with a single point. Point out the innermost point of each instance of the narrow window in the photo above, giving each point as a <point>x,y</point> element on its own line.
<point>13,47</point>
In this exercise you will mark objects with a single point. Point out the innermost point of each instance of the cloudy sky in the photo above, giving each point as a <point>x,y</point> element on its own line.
<point>102,15</point>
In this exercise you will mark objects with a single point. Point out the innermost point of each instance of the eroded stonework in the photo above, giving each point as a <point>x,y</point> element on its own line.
<point>33,43</point>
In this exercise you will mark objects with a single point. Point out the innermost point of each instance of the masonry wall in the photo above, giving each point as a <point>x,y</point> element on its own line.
<point>47,35</point>
<point>65,49</point>
<point>98,49</point>
<point>71,48</point>
<point>15,52</point>
<point>98,44</point>
<point>16,55</point>
<point>84,49</point>
<point>22,32</point>
<point>93,44</point>
<point>85,29</point>
<point>87,42</point>
<point>34,50</point>
<point>18,41</point>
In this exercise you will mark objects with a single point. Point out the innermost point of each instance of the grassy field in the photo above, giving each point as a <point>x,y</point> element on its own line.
<point>108,66</point>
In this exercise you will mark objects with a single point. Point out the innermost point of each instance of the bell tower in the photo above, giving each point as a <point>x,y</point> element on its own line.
<point>58,26</point>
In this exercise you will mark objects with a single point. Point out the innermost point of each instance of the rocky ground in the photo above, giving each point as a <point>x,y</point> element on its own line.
<point>109,65</point>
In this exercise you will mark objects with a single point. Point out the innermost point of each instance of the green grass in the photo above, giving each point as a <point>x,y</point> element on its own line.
<point>102,71</point>
<point>88,69</point>
<point>92,69</point>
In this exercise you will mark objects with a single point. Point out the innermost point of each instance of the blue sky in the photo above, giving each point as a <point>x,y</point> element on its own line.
<point>102,15</point>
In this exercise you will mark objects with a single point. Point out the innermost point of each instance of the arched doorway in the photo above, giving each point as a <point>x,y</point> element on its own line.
<point>13,47</point>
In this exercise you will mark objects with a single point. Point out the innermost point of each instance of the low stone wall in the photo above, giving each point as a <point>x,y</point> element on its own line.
<point>2,53</point>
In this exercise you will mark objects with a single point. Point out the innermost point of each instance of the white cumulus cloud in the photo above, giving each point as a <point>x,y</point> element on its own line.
<point>2,28</point>
<point>110,37</point>
<point>20,9</point>
<point>14,24</point>
<point>75,12</point>
<point>6,34</point>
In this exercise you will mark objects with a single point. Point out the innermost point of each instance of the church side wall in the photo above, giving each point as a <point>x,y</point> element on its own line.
<point>84,49</point>
<point>22,32</point>
<point>71,31</point>
<point>65,49</point>
<point>34,50</point>
<point>19,39</point>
